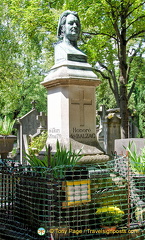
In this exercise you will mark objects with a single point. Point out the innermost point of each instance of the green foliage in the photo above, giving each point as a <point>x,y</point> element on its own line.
<point>36,163</point>
<point>139,98</point>
<point>28,31</point>
<point>37,143</point>
<point>11,72</point>
<point>22,43</point>
<point>104,95</point>
<point>6,126</point>
<point>109,215</point>
<point>62,159</point>
<point>113,39</point>
<point>59,162</point>
<point>137,161</point>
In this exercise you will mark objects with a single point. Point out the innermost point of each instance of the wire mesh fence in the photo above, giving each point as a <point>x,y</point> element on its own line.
<point>87,202</point>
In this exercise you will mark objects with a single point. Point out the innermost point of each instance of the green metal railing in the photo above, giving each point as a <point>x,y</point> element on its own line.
<point>89,202</point>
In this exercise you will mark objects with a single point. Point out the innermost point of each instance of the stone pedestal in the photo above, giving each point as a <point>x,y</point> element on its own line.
<point>71,106</point>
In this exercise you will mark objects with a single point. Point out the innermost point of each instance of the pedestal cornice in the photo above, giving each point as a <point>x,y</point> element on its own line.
<point>71,73</point>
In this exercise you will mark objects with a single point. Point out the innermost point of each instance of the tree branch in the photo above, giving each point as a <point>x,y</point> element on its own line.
<point>102,74</point>
<point>114,22</point>
<point>105,67</point>
<point>100,33</point>
<point>117,31</point>
<point>135,21</point>
<point>105,76</point>
<point>132,58</point>
<point>135,35</point>
<point>141,4</point>
<point>132,87</point>
<point>116,94</point>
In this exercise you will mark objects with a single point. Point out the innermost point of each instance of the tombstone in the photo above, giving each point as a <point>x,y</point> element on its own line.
<point>133,129</point>
<point>121,144</point>
<point>30,125</point>
<point>71,85</point>
<point>109,129</point>
<point>42,119</point>
<point>114,122</point>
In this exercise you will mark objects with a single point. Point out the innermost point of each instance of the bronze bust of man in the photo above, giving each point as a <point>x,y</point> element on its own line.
<point>68,33</point>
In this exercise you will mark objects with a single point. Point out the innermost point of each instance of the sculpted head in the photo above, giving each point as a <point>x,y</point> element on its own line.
<point>69,27</point>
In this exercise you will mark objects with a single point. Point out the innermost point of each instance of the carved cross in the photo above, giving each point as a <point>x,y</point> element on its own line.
<point>41,118</point>
<point>82,102</point>
<point>33,104</point>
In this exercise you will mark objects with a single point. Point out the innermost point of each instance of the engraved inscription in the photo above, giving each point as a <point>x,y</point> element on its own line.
<point>82,133</point>
<point>54,133</point>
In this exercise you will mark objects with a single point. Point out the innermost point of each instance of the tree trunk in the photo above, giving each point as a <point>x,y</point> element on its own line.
<point>123,76</point>
<point>124,111</point>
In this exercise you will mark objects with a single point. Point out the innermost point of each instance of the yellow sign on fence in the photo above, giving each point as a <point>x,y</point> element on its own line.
<point>77,192</point>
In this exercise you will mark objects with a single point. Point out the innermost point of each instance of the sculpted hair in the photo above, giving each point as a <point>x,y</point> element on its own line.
<point>62,21</point>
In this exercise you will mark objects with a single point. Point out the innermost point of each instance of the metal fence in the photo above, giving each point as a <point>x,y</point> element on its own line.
<point>87,202</point>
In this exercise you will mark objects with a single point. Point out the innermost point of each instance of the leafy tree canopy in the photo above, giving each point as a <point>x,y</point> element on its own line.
<point>112,37</point>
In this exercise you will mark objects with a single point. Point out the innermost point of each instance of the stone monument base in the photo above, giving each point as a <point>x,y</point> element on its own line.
<point>94,159</point>
<point>76,146</point>
<point>91,154</point>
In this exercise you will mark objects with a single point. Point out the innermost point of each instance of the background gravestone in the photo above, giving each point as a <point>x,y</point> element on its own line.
<point>30,125</point>
<point>121,144</point>
<point>110,128</point>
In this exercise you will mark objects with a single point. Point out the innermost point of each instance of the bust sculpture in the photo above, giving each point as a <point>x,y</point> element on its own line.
<point>68,33</point>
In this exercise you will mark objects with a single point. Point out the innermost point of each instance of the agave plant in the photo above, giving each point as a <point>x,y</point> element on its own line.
<point>59,162</point>
<point>137,161</point>
<point>6,126</point>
